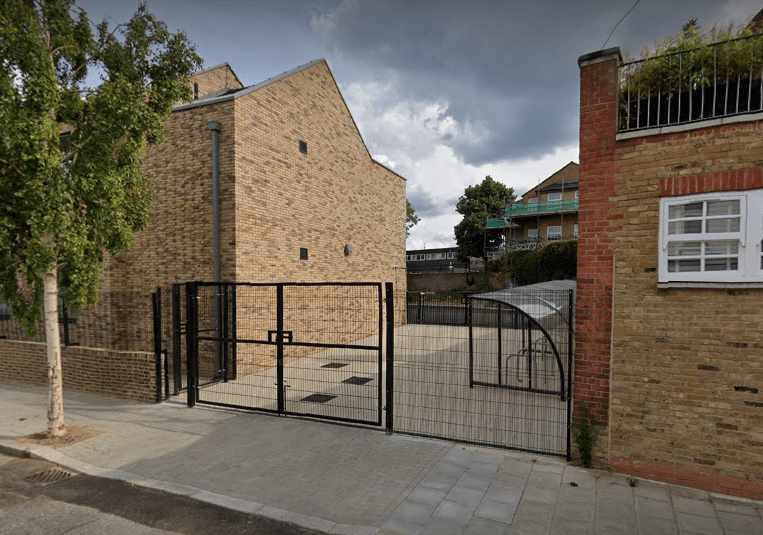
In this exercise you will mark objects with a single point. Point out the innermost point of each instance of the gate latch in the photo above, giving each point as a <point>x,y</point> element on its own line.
<point>286,336</point>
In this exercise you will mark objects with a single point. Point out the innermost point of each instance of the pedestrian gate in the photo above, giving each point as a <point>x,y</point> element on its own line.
<point>310,349</point>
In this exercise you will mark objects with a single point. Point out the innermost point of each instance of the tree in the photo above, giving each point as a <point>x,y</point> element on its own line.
<point>71,186</point>
<point>410,218</point>
<point>479,202</point>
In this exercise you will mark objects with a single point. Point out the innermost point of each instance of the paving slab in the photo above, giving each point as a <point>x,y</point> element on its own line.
<point>356,480</point>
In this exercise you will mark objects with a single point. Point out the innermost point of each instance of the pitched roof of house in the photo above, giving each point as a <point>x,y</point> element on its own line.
<point>232,94</point>
<point>551,182</point>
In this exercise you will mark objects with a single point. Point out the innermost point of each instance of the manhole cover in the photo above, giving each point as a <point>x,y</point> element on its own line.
<point>334,365</point>
<point>49,476</point>
<point>358,380</point>
<point>318,398</point>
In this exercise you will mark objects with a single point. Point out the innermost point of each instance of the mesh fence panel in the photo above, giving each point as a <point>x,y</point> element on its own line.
<point>499,378</point>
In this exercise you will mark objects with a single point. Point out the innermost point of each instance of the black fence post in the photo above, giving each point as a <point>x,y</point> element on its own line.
<point>177,372</point>
<point>570,351</point>
<point>380,371</point>
<point>469,317</point>
<point>65,314</point>
<point>232,374</point>
<point>225,326</point>
<point>156,300</point>
<point>390,404</point>
<point>500,370</point>
<point>421,308</point>
<point>279,349</point>
<point>191,342</point>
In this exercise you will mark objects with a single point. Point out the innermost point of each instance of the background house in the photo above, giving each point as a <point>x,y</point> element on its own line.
<point>546,213</point>
<point>669,357</point>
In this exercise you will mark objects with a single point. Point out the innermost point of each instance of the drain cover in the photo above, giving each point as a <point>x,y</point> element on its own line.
<point>334,365</point>
<point>358,380</point>
<point>318,398</point>
<point>52,475</point>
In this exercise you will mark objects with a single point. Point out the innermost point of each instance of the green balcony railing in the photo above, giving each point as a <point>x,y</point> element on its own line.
<point>548,207</point>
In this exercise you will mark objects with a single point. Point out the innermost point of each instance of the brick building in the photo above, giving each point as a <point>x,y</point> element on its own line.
<point>548,212</point>
<point>669,318</point>
<point>300,200</point>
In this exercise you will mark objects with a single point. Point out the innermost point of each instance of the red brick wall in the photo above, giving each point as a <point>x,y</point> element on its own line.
<point>597,224</point>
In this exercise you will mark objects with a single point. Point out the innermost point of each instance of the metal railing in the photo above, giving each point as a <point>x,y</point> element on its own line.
<point>720,80</point>
<point>548,207</point>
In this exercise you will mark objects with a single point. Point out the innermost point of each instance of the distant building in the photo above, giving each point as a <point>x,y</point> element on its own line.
<point>546,213</point>
<point>434,261</point>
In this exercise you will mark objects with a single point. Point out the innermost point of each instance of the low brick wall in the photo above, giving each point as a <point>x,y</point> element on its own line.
<point>120,374</point>
<point>436,282</point>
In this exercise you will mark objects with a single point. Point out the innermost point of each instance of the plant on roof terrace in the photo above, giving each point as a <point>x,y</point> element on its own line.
<point>695,59</point>
<point>695,75</point>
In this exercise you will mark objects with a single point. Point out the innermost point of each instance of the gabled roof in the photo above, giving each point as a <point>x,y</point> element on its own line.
<point>238,93</point>
<point>554,179</point>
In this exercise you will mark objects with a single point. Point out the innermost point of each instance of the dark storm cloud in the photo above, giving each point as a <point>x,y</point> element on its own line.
<point>507,69</point>
<point>429,205</point>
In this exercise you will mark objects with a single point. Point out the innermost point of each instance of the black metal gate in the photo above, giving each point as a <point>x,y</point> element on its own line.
<point>492,369</point>
<point>309,349</point>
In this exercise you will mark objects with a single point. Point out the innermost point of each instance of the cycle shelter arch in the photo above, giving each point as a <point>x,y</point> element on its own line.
<point>499,377</point>
<point>303,349</point>
<point>533,362</point>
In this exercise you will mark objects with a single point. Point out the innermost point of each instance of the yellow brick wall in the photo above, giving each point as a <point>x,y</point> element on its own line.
<point>215,79</point>
<point>120,374</point>
<point>332,196</point>
<point>274,200</point>
<point>687,364</point>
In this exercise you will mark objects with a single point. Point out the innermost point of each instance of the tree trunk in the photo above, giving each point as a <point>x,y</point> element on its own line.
<point>56,426</point>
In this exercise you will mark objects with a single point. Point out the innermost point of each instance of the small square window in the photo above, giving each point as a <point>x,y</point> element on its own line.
<point>303,253</point>
<point>303,146</point>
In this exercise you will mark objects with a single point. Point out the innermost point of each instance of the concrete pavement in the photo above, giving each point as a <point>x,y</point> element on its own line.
<point>351,480</point>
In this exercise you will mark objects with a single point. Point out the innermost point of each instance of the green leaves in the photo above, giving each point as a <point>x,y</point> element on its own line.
<point>411,218</point>
<point>487,199</point>
<point>693,59</point>
<point>554,261</point>
<point>65,201</point>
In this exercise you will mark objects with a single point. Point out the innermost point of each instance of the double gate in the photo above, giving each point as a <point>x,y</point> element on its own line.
<point>309,349</point>
<point>499,374</point>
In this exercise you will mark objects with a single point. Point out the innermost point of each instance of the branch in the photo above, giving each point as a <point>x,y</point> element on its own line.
<point>16,169</point>
<point>72,155</point>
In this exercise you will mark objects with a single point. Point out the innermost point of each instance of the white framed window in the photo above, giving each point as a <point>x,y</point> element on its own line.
<point>575,231</point>
<point>555,196</point>
<point>713,237</point>
<point>554,232</point>
<point>532,200</point>
<point>532,234</point>
<point>577,193</point>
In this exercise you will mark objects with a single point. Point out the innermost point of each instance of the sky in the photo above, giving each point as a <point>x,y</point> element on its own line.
<point>443,92</point>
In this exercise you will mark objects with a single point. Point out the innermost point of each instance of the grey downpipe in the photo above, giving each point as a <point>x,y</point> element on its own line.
<point>214,127</point>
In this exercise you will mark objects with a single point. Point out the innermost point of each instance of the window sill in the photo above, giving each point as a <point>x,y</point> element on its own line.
<point>710,285</point>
